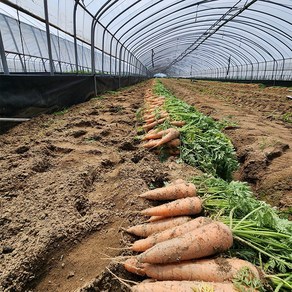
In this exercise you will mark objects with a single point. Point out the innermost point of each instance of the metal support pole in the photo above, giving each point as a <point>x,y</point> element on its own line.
<point>48,37</point>
<point>3,57</point>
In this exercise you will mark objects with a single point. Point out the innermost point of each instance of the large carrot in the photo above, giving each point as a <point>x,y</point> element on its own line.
<point>173,143</point>
<point>171,192</point>
<point>183,286</point>
<point>147,229</point>
<point>155,218</point>
<point>212,270</point>
<point>133,266</point>
<point>144,244</point>
<point>152,125</point>
<point>157,117</point>
<point>172,134</point>
<point>153,115</point>
<point>204,241</point>
<point>156,134</point>
<point>178,123</point>
<point>185,206</point>
<point>150,143</point>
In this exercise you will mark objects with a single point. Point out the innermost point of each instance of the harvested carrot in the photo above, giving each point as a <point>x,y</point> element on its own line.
<point>147,229</point>
<point>172,134</point>
<point>150,143</point>
<point>173,143</point>
<point>153,115</point>
<point>183,286</point>
<point>171,192</point>
<point>155,218</point>
<point>144,244</point>
<point>185,206</point>
<point>152,125</point>
<point>151,120</point>
<point>178,123</point>
<point>209,270</point>
<point>204,241</point>
<point>156,134</point>
<point>157,117</point>
<point>133,266</point>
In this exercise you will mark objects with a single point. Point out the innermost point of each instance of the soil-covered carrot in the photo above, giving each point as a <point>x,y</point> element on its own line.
<point>183,286</point>
<point>185,206</point>
<point>209,270</point>
<point>204,241</point>
<point>155,134</point>
<point>172,134</point>
<point>178,123</point>
<point>155,118</point>
<point>147,229</point>
<point>144,244</point>
<point>173,143</point>
<point>171,192</point>
<point>133,266</point>
<point>150,143</point>
<point>153,115</point>
<point>152,125</point>
<point>155,218</point>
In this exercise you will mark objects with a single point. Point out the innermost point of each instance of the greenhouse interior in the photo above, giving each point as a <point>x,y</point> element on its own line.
<point>129,130</point>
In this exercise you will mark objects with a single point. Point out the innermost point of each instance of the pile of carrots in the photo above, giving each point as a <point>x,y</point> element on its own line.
<point>154,115</point>
<point>177,249</point>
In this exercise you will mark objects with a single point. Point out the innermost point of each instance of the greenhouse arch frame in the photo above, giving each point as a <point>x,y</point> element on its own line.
<point>110,43</point>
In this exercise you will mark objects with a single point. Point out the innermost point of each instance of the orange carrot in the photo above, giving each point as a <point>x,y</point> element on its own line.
<point>178,123</point>
<point>151,120</point>
<point>185,206</point>
<point>171,192</point>
<point>152,125</point>
<point>147,229</point>
<point>173,143</point>
<point>183,286</point>
<point>156,134</point>
<point>157,117</point>
<point>202,242</point>
<point>144,244</point>
<point>154,114</point>
<point>133,266</point>
<point>155,218</point>
<point>208,270</point>
<point>172,134</point>
<point>150,143</point>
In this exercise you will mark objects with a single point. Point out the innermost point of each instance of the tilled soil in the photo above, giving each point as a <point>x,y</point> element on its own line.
<point>261,134</point>
<point>69,182</point>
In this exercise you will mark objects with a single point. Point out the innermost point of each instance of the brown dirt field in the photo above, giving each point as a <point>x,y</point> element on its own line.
<point>68,184</point>
<point>69,181</point>
<point>262,137</point>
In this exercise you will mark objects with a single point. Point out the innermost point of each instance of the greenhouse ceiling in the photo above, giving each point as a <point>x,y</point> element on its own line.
<point>209,39</point>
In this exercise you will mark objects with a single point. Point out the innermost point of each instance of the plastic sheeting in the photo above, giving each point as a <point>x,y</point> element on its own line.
<point>179,37</point>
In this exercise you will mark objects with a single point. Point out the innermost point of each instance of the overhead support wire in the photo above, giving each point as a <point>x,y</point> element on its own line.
<point>210,31</point>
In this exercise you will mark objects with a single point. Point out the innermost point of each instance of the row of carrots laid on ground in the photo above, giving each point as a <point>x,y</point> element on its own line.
<point>153,116</point>
<point>176,249</point>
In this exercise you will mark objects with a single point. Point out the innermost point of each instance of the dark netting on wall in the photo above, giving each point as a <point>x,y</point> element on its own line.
<point>27,96</point>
